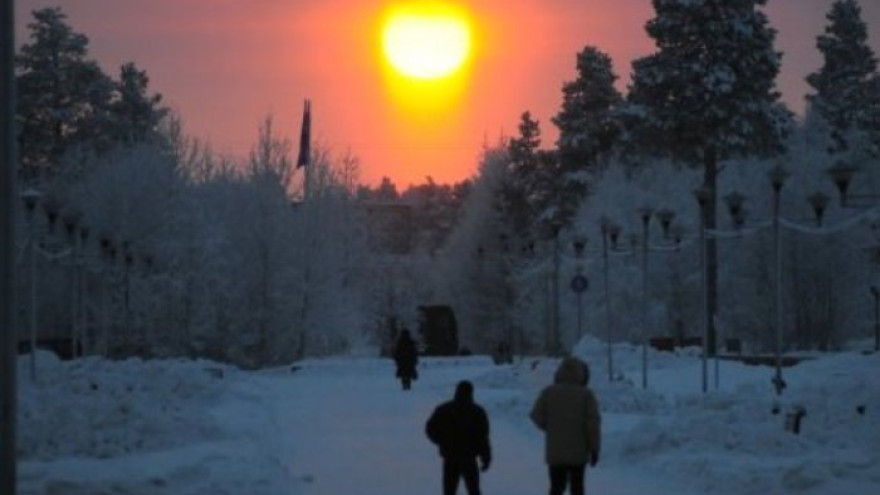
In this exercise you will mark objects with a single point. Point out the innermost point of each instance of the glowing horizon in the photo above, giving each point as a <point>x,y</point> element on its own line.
<point>224,65</point>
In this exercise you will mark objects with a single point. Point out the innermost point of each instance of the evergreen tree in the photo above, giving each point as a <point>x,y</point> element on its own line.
<point>134,113</point>
<point>708,94</point>
<point>847,84</point>
<point>586,128</point>
<point>63,96</point>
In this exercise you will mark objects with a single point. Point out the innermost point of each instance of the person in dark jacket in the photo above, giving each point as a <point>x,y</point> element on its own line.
<point>406,357</point>
<point>460,429</point>
<point>568,414</point>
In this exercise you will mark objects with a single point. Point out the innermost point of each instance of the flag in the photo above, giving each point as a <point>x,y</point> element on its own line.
<point>305,137</point>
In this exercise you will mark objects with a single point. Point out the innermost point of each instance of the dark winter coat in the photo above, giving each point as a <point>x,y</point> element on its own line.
<point>406,356</point>
<point>460,428</point>
<point>568,413</point>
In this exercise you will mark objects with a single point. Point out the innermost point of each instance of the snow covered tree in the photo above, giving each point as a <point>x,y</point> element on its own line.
<point>847,85</point>
<point>586,128</point>
<point>62,94</point>
<point>708,94</point>
<point>134,113</point>
<point>536,192</point>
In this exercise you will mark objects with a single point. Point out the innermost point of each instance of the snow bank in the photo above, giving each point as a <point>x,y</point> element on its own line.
<point>96,408</point>
<point>92,426</point>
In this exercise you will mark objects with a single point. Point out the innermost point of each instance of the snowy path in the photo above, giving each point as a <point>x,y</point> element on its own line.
<point>349,429</point>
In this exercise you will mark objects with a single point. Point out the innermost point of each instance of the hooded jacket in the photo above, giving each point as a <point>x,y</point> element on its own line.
<point>460,428</point>
<point>568,413</point>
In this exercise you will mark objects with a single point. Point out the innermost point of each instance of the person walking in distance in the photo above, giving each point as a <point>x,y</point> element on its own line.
<point>460,429</point>
<point>406,357</point>
<point>568,413</point>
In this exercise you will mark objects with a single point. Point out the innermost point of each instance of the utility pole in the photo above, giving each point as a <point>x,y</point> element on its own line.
<point>8,334</point>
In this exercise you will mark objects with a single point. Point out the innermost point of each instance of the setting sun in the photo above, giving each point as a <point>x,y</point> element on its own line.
<point>427,40</point>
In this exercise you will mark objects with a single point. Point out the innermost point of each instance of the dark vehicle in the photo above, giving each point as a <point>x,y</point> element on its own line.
<point>439,330</point>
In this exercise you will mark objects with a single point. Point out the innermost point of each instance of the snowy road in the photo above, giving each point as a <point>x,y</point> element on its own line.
<point>349,429</point>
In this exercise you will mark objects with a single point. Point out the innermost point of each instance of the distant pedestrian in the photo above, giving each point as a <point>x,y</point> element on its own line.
<point>568,413</point>
<point>460,428</point>
<point>406,357</point>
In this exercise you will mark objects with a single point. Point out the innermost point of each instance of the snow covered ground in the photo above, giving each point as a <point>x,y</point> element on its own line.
<point>343,425</point>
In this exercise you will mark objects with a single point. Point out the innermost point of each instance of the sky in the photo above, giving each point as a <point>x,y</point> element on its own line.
<point>224,65</point>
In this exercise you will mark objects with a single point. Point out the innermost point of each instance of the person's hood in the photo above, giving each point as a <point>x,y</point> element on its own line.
<point>464,392</point>
<point>572,371</point>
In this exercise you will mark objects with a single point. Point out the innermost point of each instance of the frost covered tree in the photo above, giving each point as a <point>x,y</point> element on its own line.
<point>708,94</point>
<point>586,127</point>
<point>537,192</point>
<point>62,94</point>
<point>135,114</point>
<point>846,86</point>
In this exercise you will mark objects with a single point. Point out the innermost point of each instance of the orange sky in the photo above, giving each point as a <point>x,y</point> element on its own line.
<point>223,65</point>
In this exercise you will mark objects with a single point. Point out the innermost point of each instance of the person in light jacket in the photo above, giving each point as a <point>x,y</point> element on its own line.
<point>568,413</point>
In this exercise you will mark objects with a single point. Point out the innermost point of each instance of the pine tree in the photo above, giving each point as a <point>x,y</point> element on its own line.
<point>134,113</point>
<point>62,95</point>
<point>846,86</point>
<point>586,127</point>
<point>708,94</point>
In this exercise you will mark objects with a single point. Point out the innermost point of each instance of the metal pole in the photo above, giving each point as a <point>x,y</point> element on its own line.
<point>777,239</point>
<point>8,334</point>
<point>646,218</point>
<point>554,329</point>
<point>580,315</point>
<point>875,291</point>
<point>607,303</point>
<point>74,297</point>
<point>705,297</point>
<point>32,314</point>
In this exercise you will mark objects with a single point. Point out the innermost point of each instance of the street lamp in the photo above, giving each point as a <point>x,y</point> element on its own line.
<point>876,293</point>
<point>819,202</point>
<point>735,206</point>
<point>83,327</point>
<point>31,197</point>
<point>778,175</point>
<point>842,173</point>
<point>607,228</point>
<point>703,194</point>
<point>645,213</point>
<point>553,344</point>
<point>71,221</point>
<point>579,282</point>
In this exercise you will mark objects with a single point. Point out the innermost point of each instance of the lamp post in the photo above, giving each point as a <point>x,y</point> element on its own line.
<point>777,176</point>
<point>703,195</point>
<point>31,197</point>
<point>553,345</point>
<point>645,213</point>
<point>819,201</point>
<point>579,283</point>
<point>83,303</point>
<point>70,225</point>
<point>875,291</point>
<point>608,229</point>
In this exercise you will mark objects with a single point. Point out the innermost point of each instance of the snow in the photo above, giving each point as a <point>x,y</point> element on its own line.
<point>343,425</point>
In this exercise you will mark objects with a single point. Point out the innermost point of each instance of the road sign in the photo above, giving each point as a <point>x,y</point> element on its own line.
<point>579,283</point>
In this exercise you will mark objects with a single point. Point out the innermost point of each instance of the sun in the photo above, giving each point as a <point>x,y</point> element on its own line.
<point>426,40</point>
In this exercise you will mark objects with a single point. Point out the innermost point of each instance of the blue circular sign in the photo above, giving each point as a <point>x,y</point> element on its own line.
<point>579,283</point>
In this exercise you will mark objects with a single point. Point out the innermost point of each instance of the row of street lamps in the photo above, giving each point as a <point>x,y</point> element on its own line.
<point>735,201</point>
<point>78,234</point>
